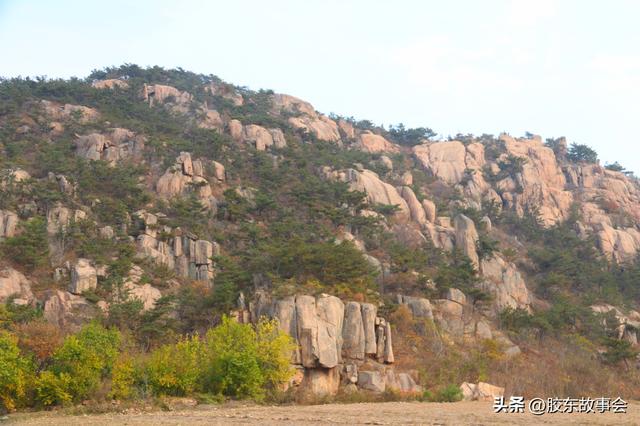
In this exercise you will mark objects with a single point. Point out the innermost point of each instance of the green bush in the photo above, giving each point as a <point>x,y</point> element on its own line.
<point>79,365</point>
<point>176,369</point>
<point>450,393</point>
<point>243,362</point>
<point>15,372</point>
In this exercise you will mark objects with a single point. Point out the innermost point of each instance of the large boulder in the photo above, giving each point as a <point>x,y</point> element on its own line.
<point>467,238</point>
<point>370,142</point>
<point>83,277</point>
<point>14,284</point>
<point>353,332</point>
<point>372,381</point>
<point>8,223</point>
<point>417,211</point>
<point>445,160</point>
<point>67,310</point>
<point>505,283</point>
<point>369,312</point>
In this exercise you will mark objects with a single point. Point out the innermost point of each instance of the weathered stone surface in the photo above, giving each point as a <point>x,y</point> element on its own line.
<point>110,83</point>
<point>389,357</point>
<point>8,224</point>
<point>145,293</point>
<point>480,392</point>
<point>370,142</point>
<point>83,277</point>
<point>307,322</point>
<point>14,284</point>
<point>225,91</point>
<point>448,315</point>
<point>466,238</point>
<point>321,381</point>
<point>377,191</point>
<point>429,208</point>
<point>445,160</point>
<point>66,112</point>
<point>417,211</point>
<point>113,146</point>
<point>353,332</point>
<point>347,129</point>
<point>66,310</point>
<point>420,307</point>
<point>504,282</point>
<point>330,311</point>
<point>158,94</point>
<point>372,381</point>
<point>456,295</point>
<point>369,312</point>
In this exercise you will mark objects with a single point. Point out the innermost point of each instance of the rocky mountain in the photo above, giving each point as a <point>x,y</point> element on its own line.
<point>158,200</point>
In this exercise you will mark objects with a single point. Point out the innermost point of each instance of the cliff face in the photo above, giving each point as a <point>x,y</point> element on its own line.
<point>204,162</point>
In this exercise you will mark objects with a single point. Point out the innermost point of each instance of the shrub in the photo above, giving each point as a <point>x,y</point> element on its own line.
<point>450,393</point>
<point>53,389</point>
<point>14,371</point>
<point>244,362</point>
<point>123,378</point>
<point>232,356</point>
<point>39,338</point>
<point>176,369</point>
<point>80,364</point>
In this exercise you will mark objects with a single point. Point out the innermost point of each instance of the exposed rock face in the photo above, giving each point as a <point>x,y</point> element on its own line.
<point>353,332</point>
<point>110,83</point>
<point>225,91</point>
<point>145,293</point>
<point>118,144</point>
<point>371,380</point>
<point>8,224</point>
<point>83,277</point>
<point>541,180</point>
<point>263,138</point>
<point>377,191</point>
<point>66,112</point>
<point>420,307</point>
<point>627,325</point>
<point>211,119</point>
<point>480,392</point>
<point>187,175</point>
<point>429,208</point>
<point>157,94</point>
<point>620,245</point>
<point>370,142</point>
<point>306,117</point>
<point>445,160</point>
<point>321,381</point>
<point>466,238</point>
<point>417,211</point>
<point>505,283</point>
<point>60,217</point>
<point>184,253</point>
<point>347,129</point>
<point>14,284</point>
<point>66,310</point>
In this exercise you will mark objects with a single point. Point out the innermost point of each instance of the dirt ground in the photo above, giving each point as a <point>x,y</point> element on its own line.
<point>460,413</point>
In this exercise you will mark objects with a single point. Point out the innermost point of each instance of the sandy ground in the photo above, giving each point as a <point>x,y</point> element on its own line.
<point>460,413</point>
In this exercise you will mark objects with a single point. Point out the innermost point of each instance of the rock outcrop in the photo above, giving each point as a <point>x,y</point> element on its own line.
<point>118,144</point>
<point>66,310</point>
<point>184,253</point>
<point>187,175</point>
<point>83,277</point>
<point>306,118</point>
<point>14,284</point>
<point>370,142</point>
<point>505,283</point>
<point>467,238</point>
<point>8,224</point>
<point>110,83</point>
<point>65,112</point>
<point>480,391</point>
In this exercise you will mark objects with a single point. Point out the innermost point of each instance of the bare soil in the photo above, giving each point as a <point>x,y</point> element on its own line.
<point>459,413</point>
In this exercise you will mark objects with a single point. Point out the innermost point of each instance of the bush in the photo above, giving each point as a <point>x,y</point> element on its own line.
<point>244,362</point>
<point>53,389</point>
<point>450,393</point>
<point>39,338</point>
<point>79,365</point>
<point>14,372</point>
<point>176,369</point>
<point>123,378</point>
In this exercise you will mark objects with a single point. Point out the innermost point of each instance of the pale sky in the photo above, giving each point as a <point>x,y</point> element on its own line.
<point>553,68</point>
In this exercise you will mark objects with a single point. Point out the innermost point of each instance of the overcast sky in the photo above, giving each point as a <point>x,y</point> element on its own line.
<point>553,68</point>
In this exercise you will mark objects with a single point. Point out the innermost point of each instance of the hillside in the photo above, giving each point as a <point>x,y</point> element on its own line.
<point>154,202</point>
